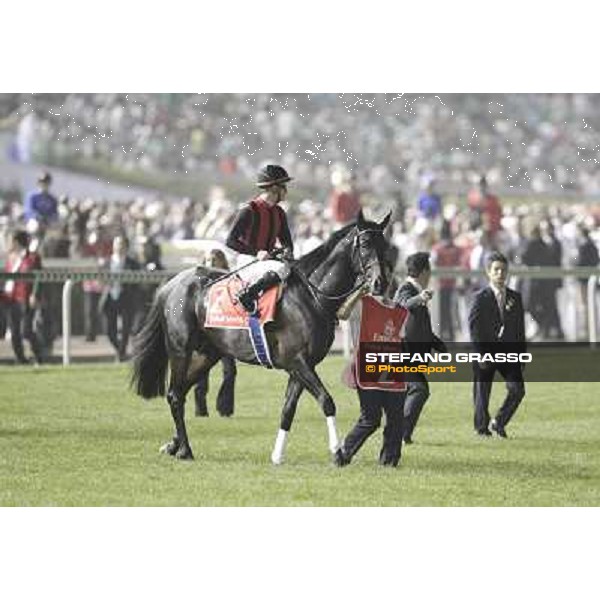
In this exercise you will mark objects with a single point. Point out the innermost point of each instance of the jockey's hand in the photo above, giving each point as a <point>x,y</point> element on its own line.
<point>286,254</point>
<point>262,255</point>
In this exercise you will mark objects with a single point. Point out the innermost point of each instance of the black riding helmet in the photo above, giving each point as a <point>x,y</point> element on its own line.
<point>272,175</point>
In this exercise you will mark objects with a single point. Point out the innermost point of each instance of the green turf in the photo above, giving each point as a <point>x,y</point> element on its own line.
<point>77,436</point>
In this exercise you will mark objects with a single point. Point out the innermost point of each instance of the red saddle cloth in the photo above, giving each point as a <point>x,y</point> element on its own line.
<point>225,311</point>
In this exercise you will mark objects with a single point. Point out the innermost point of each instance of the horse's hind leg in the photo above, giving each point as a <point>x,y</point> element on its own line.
<point>172,448</point>
<point>184,374</point>
<point>292,394</point>
<point>312,382</point>
<point>179,446</point>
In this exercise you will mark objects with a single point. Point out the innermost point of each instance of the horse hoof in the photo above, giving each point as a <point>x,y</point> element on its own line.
<point>169,448</point>
<point>340,459</point>
<point>184,454</point>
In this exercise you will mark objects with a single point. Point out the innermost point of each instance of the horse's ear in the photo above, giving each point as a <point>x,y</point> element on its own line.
<point>360,219</point>
<point>385,221</point>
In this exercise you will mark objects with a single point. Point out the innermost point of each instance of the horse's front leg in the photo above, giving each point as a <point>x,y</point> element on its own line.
<point>292,394</point>
<point>312,382</point>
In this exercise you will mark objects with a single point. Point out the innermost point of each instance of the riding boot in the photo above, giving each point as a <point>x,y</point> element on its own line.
<point>248,296</point>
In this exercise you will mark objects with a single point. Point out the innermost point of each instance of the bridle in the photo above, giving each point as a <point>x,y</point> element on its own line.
<point>355,246</point>
<point>363,272</point>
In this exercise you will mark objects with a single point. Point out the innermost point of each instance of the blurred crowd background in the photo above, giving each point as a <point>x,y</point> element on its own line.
<point>462,173</point>
<point>540,143</point>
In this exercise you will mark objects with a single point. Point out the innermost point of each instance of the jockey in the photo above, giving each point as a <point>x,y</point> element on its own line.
<point>258,227</point>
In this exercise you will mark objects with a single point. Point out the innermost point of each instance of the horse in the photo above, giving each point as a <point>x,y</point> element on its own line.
<point>173,333</point>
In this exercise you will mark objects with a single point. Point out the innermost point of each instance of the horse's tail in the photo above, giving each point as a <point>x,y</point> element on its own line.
<point>150,358</point>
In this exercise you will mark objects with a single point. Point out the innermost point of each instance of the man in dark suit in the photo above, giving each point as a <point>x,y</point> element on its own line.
<point>414,296</point>
<point>121,299</point>
<point>496,324</point>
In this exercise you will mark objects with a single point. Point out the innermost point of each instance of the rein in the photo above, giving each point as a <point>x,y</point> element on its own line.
<point>315,290</point>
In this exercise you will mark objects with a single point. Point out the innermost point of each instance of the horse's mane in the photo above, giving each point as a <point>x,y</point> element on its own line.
<point>309,262</point>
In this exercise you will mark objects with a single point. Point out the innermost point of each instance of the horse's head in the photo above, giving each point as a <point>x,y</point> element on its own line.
<point>368,253</point>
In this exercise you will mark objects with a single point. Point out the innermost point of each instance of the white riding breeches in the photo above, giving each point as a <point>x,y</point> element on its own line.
<point>256,270</point>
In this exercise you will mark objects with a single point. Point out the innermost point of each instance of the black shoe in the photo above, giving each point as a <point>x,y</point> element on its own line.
<point>340,459</point>
<point>498,429</point>
<point>408,440</point>
<point>484,433</point>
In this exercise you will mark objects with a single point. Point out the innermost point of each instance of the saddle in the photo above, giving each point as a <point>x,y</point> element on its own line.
<point>224,311</point>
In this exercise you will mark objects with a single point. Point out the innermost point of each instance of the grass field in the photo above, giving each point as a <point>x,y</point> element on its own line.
<point>78,436</point>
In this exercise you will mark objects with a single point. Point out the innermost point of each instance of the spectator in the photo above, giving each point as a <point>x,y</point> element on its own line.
<point>344,200</point>
<point>429,204</point>
<point>41,205</point>
<point>587,256</point>
<point>120,299</point>
<point>553,327</point>
<point>446,254</point>
<point>99,247</point>
<point>22,298</point>
<point>536,254</point>
<point>486,208</point>
<point>216,221</point>
<point>151,260</point>
<point>477,259</point>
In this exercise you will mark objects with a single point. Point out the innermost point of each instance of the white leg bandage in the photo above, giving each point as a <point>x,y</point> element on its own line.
<point>334,442</point>
<point>279,449</point>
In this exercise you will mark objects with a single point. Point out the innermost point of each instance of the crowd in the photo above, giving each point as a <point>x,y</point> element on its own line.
<point>540,143</point>
<point>536,234</point>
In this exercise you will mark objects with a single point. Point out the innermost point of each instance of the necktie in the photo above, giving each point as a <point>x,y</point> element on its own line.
<point>500,298</point>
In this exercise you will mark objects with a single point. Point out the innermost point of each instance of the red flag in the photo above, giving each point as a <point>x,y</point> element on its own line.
<point>379,323</point>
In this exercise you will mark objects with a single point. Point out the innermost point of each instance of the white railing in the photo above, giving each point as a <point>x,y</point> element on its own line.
<point>71,277</point>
